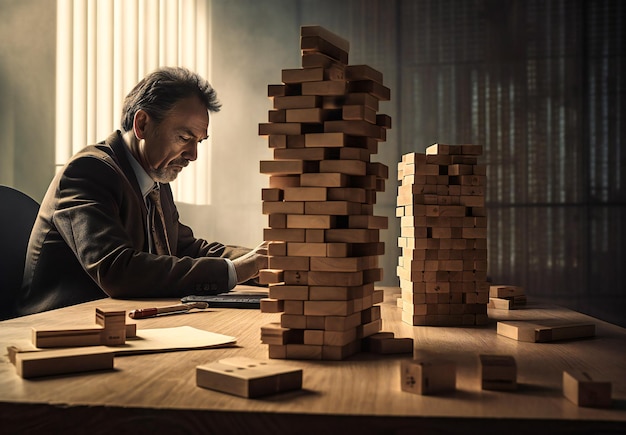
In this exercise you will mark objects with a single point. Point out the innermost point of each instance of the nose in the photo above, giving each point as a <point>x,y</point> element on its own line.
<point>191,152</point>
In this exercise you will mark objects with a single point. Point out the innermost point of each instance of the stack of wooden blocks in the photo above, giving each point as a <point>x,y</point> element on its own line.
<point>325,240</point>
<point>443,237</point>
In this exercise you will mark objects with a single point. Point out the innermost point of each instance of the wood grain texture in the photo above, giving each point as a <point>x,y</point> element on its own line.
<point>361,394</point>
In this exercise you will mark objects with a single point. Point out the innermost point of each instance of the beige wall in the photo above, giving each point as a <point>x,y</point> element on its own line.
<point>27,90</point>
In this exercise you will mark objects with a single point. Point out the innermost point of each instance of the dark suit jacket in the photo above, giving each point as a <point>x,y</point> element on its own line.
<point>90,239</point>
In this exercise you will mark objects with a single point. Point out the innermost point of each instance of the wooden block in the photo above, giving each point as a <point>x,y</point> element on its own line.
<point>363,72</point>
<point>314,154</point>
<point>500,304</point>
<point>324,88</point>
<point>498,372</point>
<point>289,128</point>
<point>297,102</point>
<point>381,343</point>
<point>311,59</point>
<point>63,361</point>
<point>312,115</point>
<point>342,323</point>
<point>428,377</point>
<point>44,338</point>
<point>327,35</point>
<point>289,292</point>
<point>348,264</point>
<point>358,112</point>
<point>282,207</point>
<point>337,353</point>
<point>583,389</point>
<point>444,149</point>
<point>505,291</point>
<point>337,208</point>
<point>371,87</point>
<point>288,263</point>
<point>306,194</point>
<point>114,326</point>
<point>343,279</point>
<point>284,234</point>
<point>545,331</point>
<point>321,45</point>
<point>283,181</point>
<point>269,305</point>
<point>349,167</point>
<point>329,308</point>
<point>356,128</point>
<point>296,351</point>
<point>284,166</point>
<point>270,276</point>
<point>352,235</point>
<point>324,179</point>
<point>300,75</point>
<point>247,377</point>
<point>274,333</point>
<point>311,221</point>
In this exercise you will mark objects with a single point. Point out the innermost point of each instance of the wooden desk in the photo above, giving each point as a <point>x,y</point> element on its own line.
<point>156,393</point>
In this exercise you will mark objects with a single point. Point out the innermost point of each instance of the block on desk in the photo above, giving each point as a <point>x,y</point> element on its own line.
<point>382,343</point>
<point>498,372</point>
<point>584,390</point>
<point>67,337</point>
<point>63,361</point>
<point>114,326</point>
<point>545,331</point>
<point>505,291</point>
<point>247,377</point>
<point>428,377</point>
<point>500,304</point>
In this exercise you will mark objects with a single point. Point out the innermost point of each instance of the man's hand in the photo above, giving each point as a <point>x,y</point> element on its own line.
<point>248,266</point>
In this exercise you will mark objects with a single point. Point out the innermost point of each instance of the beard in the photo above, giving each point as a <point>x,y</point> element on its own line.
<point>170,172</point>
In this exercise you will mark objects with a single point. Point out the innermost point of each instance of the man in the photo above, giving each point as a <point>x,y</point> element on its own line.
<point>100,229</point>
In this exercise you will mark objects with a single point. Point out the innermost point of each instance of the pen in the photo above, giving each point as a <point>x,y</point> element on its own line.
<point>179,308</point>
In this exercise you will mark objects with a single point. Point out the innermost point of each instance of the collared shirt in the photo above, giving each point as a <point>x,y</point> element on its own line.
<point>147,184</point>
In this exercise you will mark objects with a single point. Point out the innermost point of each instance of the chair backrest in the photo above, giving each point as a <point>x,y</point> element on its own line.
<point>17,215</point>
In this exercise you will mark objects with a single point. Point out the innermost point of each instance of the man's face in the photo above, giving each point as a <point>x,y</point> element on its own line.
<point>168,147</point>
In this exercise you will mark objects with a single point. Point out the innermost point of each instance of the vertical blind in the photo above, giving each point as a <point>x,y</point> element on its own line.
<point>104,47</point>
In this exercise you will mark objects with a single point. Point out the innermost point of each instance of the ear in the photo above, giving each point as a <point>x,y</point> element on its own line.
<point>140,122</point>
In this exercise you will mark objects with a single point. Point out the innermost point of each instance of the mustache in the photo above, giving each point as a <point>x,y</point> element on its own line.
<point>180,162</point>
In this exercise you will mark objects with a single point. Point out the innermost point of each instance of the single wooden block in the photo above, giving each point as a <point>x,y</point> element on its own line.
<point>270,276</point>
<point>584,390</point>
<point>269,305</point>
<point>327,35</point>
<point>363,72</point>
<point>356,128</point>
<point>359,112</point>
<point>382,343</point>
<point>371,87</point>
<point>498,372</point>
<point>283,166</point>
<point>63,361</point>
<point>324,88</point>
<point>315,115</point>
<point>114,326</point>
<point>444,149</point>
<point>505,291</point>
<point>545,331</point>
<point>428,377</point>
<point>247,377</point>
<point>349,167</point>
<point>274,333</point>
<point>289,292</point>
<point>296,351</point>
<point>288,263</point>
<point>297,102</point>
<point>44,338</point>
<point>320,45</point>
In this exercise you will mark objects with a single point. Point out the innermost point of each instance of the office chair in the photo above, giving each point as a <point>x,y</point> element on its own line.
<point>17,216</point>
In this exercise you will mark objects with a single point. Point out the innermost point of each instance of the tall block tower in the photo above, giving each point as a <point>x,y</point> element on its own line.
<point>323,129</point>
<point>443,236</point>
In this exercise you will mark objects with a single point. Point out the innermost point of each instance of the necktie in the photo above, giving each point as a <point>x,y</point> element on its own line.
<point>157,224</point>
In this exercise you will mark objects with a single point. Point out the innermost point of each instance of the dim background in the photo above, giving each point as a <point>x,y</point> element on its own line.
<point>540,84</point>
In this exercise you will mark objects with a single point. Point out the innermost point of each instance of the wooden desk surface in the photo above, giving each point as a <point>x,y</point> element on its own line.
<point>157,392</point>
